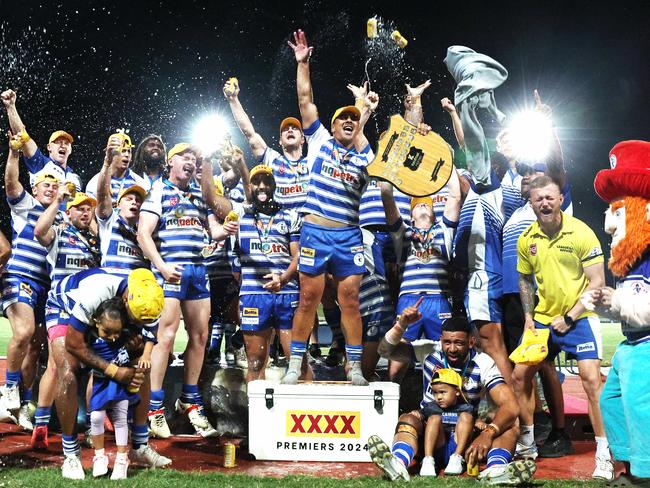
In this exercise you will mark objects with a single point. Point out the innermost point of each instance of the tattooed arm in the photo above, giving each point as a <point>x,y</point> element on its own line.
<point>527,295</point>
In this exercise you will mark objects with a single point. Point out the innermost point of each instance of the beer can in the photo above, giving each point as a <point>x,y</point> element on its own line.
<point>229,455</point>
<point>472,470</point>
<point>372,28</point>
<point>399,39</point>
<point>232,216</point>
<point>72,188</point>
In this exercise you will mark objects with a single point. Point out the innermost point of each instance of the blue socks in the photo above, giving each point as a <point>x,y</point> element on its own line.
<point>190,394</point>
<point>353,352</point>
<point>13,378</point>
<point>139,435</point>
<point>498,456</point>
<point>156,400</point>
<point>42,415</point>
<point>216,335</point>
<point>404,452</point>
<point>70,445</point>
<point>298,348</point>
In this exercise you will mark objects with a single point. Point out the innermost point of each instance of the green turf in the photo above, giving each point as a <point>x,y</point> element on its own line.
<point>16,477</point>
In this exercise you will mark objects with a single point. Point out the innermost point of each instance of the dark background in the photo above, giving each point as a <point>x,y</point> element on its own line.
<point>93,67</point>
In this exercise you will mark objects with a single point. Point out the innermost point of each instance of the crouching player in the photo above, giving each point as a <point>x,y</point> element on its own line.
<point>479,374</point>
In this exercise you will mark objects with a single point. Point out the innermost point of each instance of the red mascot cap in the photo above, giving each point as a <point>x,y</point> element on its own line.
<point>629,175</point>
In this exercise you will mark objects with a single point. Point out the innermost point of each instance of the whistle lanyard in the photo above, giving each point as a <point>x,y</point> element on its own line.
<point>263,232</point>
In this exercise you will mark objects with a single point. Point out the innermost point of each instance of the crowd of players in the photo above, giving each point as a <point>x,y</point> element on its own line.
<point>263,249</point>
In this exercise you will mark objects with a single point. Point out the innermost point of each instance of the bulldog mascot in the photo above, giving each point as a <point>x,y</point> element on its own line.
<point>625,399</point>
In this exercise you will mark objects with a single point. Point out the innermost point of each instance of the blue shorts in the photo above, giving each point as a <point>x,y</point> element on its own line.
<point>583,340</point>
<point>484,290</point>
<point>337,250</point>
<point>434,308</point>
<point>21,289</point>
<point>194,284</point>
<point>261,311</point>
<point>223,291</point>
<point>55,315</point>
<point>375,325</point>
<point>385,241</point>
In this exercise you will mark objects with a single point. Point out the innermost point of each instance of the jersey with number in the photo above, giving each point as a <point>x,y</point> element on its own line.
<point>39,162</point>
<point>118,184</point>
<point>182,217</point>
<point>428,252</point>
<point>478,242</point>
<point>291,178</point>
<point>71,251</point>
<point>337,177</point>
<point>27,255</point>
<point>479,372</point>
<point>264,242</point>
<point>374,295</point>
<point>371,208</point>
<point>119,245</point>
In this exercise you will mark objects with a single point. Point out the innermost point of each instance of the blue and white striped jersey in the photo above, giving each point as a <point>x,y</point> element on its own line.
<point>291,178</point>
<point>27,255</point>
<point>264,247</point>
<point>478,245</point>
<point>118,184</point>
<point>81,294</point>
<point>236,193</point>
<point>514,227</point>
<point>337,177</point>
<point>512,178</point>
<point>183,216</point>
<point>374,295</point>
<point>71,251</point>
<point>479,373</point>
<point>40,162</point>
<point>428,252</point>
<point>371,208</point>
<point>119,245</point>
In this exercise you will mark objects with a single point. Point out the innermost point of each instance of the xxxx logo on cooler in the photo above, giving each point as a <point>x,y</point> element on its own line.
<point>314,423</point>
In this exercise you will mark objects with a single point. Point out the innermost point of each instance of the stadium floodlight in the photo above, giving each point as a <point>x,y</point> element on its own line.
<point>210,132</point>
<point>530,136</point>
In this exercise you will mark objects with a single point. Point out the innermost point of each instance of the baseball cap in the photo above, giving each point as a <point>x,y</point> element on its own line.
<point>60,133</point>
<point>132,189</point>
<point>260,169</point>
<point>79,198</point>
<point>417,200</point>
<point>533,348</point>
<point>45,176</point>
<point>145,298</point>
<point>180,148</point>
<point>347,109</point>
<point>218,185</point>
<point>449,377</point>
<point>290,121</point>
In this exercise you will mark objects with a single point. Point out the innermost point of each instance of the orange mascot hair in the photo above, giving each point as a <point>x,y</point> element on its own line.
<point>637,235</point>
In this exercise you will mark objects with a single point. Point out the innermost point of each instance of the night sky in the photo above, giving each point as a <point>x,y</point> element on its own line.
<point>93,67</point>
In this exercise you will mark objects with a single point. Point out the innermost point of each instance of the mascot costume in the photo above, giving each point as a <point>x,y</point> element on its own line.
<point>625,399</point>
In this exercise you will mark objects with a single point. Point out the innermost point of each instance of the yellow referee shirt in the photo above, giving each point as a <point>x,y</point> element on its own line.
<point>558,265</point>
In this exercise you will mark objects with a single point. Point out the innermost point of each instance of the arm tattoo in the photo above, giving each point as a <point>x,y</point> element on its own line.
<point>527,293</point>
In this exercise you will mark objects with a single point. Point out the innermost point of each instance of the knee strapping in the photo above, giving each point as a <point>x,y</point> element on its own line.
<point>406,428</point>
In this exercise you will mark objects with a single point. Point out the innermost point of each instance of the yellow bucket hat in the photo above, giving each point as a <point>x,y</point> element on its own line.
<point>533,348</point>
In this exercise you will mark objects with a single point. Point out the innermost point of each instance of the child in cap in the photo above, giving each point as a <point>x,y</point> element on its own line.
<point>114,342</point>
<point>449,424</point>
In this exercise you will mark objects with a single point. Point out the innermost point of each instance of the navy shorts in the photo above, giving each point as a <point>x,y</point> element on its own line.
<point>194,284</point>
<point>375,325</point>
<point>583,340</point>
<point>337,250</point>
<point>434,308</point>
<point>259,312</point>
<point>20,289</point>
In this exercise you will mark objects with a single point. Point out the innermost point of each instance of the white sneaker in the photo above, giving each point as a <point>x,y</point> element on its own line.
<point>380,454</point>
<point>526,452</point>
<point>428,467</point>
<point>355,375</point>
<point>291,376</point>
<point>604,469</point>
<point>197,418</point>
<point>72,468</point>
<point>455,466</point>
<point>120,467</point>
<point>158,424</point>
<point>11,398</point>
<point>100,465</point>
<point>24,418</point>
<point>145,454</point>
<point>515,473</point>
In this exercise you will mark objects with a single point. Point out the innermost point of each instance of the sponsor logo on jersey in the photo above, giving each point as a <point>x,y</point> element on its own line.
<point>273,247</point>
<point>337,174</point>
<point>251,312</point>
<point>307,252</point>
<point>356,249</point>
<point>78,262</point>
<point>183,222</point>
<point>24,287</point>
<point>293,189</point>
<point>123,249</point>
<point>585,347</point>
<point>314,423</point>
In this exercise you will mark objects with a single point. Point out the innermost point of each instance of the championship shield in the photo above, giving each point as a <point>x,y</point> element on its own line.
<point>415,164</point>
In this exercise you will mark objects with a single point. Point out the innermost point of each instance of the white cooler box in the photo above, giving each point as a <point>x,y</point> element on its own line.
<point>319,421</point>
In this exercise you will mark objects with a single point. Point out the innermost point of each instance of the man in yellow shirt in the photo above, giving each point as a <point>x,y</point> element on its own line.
<point>563,256</point>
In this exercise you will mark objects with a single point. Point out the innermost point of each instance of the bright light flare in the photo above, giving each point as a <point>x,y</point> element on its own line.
<point>209,133</point>
<point>530,136</point>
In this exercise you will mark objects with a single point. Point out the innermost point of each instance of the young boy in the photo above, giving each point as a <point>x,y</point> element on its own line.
<point>449,424</point>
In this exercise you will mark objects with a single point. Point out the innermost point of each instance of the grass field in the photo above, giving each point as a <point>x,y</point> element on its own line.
<point>16,477</point>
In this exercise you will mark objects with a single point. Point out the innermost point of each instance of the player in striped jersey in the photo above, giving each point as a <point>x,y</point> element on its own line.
<point>122,177</point>
<point>118,227</point>
<point>149,159</point>
<point>480,376</point>
<point>59,147</point>
<point>25,283</point>
<point>289,168</point>
<point>331,240</point>
<point>176,214</point>
<point>268,250</point>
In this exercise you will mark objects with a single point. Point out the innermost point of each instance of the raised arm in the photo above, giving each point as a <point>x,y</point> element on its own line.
<point>371,101</point>
<point>555,161</point>
<point>13,187</point>
<point>255,141</point>
<point>455,121</point>
<point>220,205</point>
<point>104,195</point>
<point>413,103</point>
<point>43,230</point>
<point>9,101</point>
<point>390,207</point>
<point>302,51</point>
<point>454,198</point>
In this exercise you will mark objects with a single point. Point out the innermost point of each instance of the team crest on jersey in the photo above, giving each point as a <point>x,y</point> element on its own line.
<point>533,249</point>
<point>173,201</point>
<point>72,241</point>
<point>282,228</point>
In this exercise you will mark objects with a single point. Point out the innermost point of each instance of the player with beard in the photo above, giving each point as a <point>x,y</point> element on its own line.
<point>122,177</point>
<point>331,240</point>
<point>149,159</point>
<point>59,147</point>
<point>25,283</point>
<point>268,251</point>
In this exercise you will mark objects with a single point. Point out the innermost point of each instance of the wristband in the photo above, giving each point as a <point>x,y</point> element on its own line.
<point>569,321</point>
<point>111,370</point>
<point>494,428</point>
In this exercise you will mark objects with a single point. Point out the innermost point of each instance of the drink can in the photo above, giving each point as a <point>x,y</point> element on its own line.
<point>229,455</point>
<point>371,28</point>
<point>472,470</point>
<point>232,216</point>
<point>133,389</point>
<point>72,188</point>
<point>399,39</point>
